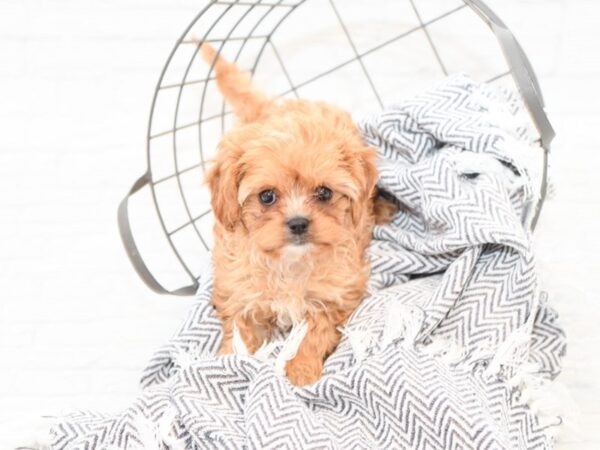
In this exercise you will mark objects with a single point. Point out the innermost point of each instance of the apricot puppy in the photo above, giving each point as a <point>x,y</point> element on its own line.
<point>292,190</point>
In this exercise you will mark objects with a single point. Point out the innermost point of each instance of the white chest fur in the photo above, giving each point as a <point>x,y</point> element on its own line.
<point>288,311</point>
<point>290,277</point>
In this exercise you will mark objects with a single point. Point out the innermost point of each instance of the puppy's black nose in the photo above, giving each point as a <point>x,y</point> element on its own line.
<point>298,225</point>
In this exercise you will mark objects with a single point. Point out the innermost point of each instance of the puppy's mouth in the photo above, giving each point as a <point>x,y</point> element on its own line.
<point>299,240</point>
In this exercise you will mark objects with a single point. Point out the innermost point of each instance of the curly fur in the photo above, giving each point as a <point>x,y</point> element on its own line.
<point>264,279</point>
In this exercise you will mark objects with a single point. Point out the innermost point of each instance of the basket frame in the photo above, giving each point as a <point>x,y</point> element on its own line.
<point>520,68</point>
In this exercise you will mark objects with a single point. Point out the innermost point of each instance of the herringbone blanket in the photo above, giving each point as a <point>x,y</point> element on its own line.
<point>453,348</point>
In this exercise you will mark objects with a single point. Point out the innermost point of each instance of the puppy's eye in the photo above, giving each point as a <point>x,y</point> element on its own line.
<point>267,197</point>
<point>323,194</point>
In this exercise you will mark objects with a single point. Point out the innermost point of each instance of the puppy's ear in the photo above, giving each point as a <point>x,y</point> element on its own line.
<point>223,180</point>
<point>366,174</point>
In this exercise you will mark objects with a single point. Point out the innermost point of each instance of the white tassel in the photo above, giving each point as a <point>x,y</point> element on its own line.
<point>290,346</point>
<point>184,358</point>
<point>154,435</point>
<point>402,321</point>
<point>266,350</point>
<point>361,337</point>
<point>165,427</point>
<point>512,352</point>
<point>239,346</point>
<point>147,433</point>
<point>549,400</point>
<point>359,341</point>
<point>446,349</point>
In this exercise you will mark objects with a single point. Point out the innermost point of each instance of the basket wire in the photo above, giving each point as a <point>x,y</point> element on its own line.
<point>259,21</point>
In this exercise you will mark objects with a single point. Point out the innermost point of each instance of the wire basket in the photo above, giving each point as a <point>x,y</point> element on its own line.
<point>354,54</point>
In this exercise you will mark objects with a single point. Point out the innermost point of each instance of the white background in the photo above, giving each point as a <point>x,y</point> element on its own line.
<point>76,80</point>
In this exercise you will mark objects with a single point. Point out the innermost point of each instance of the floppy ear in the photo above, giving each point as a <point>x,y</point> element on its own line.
<point>367,175</point>
<point>223,180</point>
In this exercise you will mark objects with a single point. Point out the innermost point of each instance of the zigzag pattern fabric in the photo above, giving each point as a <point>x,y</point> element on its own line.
<point>436,357</point>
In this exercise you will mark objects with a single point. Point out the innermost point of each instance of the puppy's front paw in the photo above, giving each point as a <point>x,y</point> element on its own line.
<point>302,371</point>
<point>226,347</point>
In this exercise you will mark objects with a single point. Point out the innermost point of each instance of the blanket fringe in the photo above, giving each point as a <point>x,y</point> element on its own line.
<point>239,346</point>
<point>513,352</point>
<point>361,337</point>
<point>183,357</point>
<point>549,400</point>
<point>287,347</point>
<point>402,321</point>
<point>290,346</point>
<point>155,435</point>
<point>447,350</point>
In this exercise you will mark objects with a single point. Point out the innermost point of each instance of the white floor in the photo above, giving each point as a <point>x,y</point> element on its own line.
<point>76,78</point>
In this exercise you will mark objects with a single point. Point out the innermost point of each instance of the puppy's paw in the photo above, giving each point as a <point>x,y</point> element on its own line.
<point>385,207</point>
<point>226,347</point>
<point>302,371</point>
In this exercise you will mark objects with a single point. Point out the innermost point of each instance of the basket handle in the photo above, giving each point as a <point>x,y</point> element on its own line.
<point>131,248</point>
<point>528,86</point>
<point>521,70</point>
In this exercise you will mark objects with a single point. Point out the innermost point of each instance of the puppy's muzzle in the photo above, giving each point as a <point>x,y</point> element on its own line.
<point>298,225</point>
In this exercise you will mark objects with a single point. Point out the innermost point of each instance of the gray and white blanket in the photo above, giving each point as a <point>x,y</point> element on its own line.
<point>455,347</point>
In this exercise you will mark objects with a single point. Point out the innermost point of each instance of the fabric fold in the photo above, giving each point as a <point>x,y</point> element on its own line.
<point>454,331</point>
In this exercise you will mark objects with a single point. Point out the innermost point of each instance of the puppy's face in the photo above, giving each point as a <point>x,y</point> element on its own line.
<point>300,180</point>
<point>297,197</point>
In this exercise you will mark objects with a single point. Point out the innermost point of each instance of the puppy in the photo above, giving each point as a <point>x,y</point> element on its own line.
<point>292,189</point>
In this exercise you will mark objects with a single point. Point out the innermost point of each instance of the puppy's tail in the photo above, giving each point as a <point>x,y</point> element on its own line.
<point>236,86</point>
